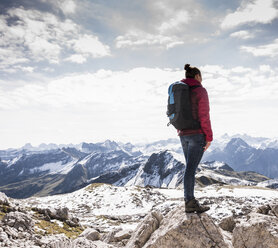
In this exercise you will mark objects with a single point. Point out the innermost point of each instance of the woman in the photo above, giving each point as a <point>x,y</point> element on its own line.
<point>195,141</point>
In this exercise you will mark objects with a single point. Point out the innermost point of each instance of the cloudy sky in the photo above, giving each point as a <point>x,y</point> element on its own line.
<point>90,70</point>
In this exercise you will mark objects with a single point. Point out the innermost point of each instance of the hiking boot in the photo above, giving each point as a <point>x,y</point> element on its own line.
<point>194,206</point>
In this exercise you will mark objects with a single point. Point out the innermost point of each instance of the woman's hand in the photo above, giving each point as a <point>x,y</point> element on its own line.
<point>207,145</point>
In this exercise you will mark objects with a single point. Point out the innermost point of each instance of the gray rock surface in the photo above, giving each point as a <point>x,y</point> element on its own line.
<point>4,200</point>
<point>19,221</point>
<point>144,230</point>
<point>228,224</point>
<point>258,231</point>
<point>123,234</point>
<point>90,234</point>
<point>178,230</point>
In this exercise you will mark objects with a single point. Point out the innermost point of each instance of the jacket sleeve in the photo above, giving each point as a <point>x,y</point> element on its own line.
<point>203,113</point>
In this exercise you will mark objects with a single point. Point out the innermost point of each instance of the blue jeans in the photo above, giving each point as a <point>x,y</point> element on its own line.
<point>193,149</point>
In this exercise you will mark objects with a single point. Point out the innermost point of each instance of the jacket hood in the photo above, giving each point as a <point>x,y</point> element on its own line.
<point>191,82</point>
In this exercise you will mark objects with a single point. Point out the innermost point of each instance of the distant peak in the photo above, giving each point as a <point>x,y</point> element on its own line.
<point>237,142</point>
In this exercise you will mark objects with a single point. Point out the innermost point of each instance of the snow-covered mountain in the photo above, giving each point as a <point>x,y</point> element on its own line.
<point>243,157</point>
<point>29,171</point>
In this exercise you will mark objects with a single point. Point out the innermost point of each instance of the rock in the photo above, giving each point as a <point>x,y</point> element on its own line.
<point>123,234</point>
<point>100,244</point>
<point>90,234</point>
<point>274,209</point>
<point>61,241</point>
<point>257,231</point>
<point>61,214</point>
<point>4,200</point>
<point>12,232</point>
<point>109,237</point>
<point>3,237</point>
<point>180,230</point>
<point>55,241</point>
<point>228,224</point>
<point>83,243</point>
<point>19,221</point>
<point>144,230</point>
<point>263,209</point>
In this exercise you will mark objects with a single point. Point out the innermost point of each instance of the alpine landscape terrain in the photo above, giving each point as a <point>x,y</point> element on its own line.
<point>111,194</point>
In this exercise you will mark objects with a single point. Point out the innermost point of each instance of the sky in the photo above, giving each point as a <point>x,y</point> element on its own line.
<point>90,70</point>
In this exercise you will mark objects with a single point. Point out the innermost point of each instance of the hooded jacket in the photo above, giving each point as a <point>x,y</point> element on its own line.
<point>200,110</point>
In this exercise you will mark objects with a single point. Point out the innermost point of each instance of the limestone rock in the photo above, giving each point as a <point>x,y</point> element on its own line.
<point>55,241</point>
<point>228,224</point>
<point>274,209</point>
<point>264,209</point>
<point>51,213</point>
<point>3,237</point>
<point>259,231</point>
<point>19,221</point>
<point>4,200</point>
<point>61,241</point>
<point>90,234</point>
<point>180,230</point>
<point>83,243</point>
<point>123,234</point>
<point>144,230</point>
<point>61,214</point>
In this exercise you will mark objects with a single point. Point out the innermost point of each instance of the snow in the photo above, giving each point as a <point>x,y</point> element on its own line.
<point>54,168</point>
<point>99,205</point>
<point>86,159</point>
<point>225,179</point>
<point>268,183</point>
<point>13,161</point>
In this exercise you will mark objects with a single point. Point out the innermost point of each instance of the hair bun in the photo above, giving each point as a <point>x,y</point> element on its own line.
<point>186,67</point>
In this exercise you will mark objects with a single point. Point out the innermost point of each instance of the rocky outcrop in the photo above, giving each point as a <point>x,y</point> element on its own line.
<point>61,214</point>
<point>258,231</point>
<point>228,224</point>
<point>18,221</point>
<point>4,200</point>
<point>145,230</point>
<point>180,230</point>
<point>90,234</point>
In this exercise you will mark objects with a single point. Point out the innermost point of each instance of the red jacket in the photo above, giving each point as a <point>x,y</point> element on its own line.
<point>200,110</point>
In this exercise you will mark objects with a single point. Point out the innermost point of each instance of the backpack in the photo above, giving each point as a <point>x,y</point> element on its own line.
<point>179,109</point>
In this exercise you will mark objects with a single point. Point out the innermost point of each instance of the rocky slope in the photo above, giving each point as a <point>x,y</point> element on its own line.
<point>103,215</point>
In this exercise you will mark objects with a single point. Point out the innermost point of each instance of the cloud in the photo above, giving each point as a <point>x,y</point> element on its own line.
<point>258,11</point>
<point>67,6</point>
<point>30,36</point>
<point>165,29</point>
<point>140,39</point>
<point>269,50</point>
<point>77,58</point>
<point>132,104</point>
<point>89,45</point>
<point>243,34</point>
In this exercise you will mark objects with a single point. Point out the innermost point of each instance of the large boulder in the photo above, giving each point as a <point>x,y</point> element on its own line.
<point>61,214</point>
<point>182,230</point>
<point>19,221</point>
<point>258,231</point>
<point>4,200</point>
<point>90,234</point>
<point>144,230</point>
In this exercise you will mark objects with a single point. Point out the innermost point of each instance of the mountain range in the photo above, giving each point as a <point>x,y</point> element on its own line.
<point>53,169</point>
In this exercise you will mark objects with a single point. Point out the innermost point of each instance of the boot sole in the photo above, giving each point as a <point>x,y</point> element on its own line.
<point>194,210</point>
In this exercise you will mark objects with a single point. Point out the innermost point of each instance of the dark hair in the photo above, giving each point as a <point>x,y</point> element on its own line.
<point>191,72</point>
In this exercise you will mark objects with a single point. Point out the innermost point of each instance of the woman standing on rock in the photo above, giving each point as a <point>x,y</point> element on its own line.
<point>195,141</point>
